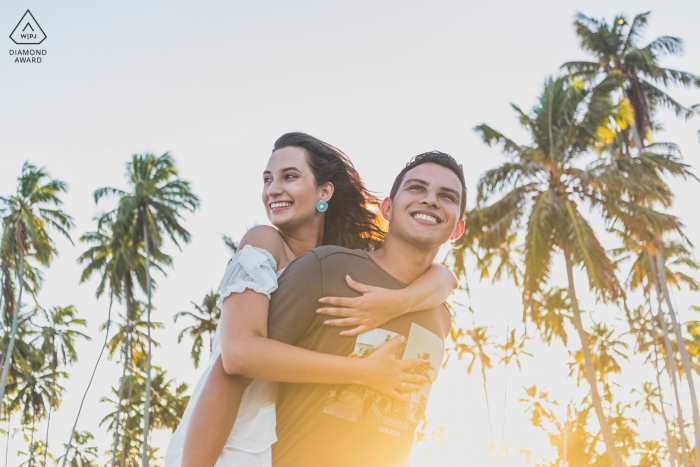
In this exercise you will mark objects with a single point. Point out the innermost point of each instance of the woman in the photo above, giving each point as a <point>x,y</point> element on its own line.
<point>313,196</point>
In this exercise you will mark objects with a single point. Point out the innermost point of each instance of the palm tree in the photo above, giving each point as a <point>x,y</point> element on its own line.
<point>83,456</point>
<point>34,448</point>
<point>168,402</point>
<point>206,320</point>
<point>616,49</point>
<point>24,230</point>
<point>538,406</point>
<point>151,209</point>
<point>58,341</point>
<point>34,391</point>
<point>106,256</point>
<point>544,179</point>
<point>481,341</point>
<point>131,339</point>
<point>644,268</point>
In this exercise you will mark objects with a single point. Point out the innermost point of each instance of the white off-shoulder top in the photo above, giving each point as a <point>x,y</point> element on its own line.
<point>254,431</point>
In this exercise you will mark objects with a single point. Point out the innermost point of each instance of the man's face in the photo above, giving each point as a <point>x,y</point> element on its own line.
<point>426,208</point>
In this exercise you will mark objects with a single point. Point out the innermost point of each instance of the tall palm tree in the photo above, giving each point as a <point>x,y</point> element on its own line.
<point>168,400</point>
<point>206,319</point>
<point>641,248</point>
<point>26,218</point>
<point>152,209</point>
<point>617,49</point>
<point>105,256</point>
<point>34,391</point>
<point>543,179</point>
<point>132,340</point>
<point>478,350</point>
<point>58,342</point>
<point>83,455</point>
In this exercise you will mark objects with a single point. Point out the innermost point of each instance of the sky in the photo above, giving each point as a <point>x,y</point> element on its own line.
<point>215,83</point>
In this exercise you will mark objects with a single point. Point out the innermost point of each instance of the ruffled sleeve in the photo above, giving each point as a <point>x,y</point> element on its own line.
<point>250,268</point>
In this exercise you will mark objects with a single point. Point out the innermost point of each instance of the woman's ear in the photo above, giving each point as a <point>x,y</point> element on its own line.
<point>385,209</point>
<point>327,191</point>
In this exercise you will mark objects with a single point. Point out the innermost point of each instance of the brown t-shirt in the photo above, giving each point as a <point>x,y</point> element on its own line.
<point>346,425</point>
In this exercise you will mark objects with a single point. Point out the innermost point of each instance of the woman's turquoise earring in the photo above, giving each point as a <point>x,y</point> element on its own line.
<point>321,205</point>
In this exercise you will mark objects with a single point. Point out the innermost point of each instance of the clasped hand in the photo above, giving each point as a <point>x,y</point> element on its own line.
<point>373,308</point>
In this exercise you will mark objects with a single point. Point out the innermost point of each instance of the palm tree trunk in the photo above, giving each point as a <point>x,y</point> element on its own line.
<point>31,442</point>
<point>685,360</point>
<point>669,441</point>
<point>94,370</point>
<point>488,409</point>
<point>121,397</point>
<point>126,438</point>
<point>53,392</point>
<point>608,438</point>
<point>7,442</point>
<point>147,395</point>
<point>8,356</point>
<point>565,462</point>
<point>670,363</point>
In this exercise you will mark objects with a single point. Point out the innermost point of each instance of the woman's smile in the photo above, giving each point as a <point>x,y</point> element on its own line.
<point>277,206</point>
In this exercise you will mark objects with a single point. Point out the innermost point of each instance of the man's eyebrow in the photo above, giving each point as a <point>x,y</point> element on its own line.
<point>443,188</point>
<point>415,180</point>
<point>450,190</point>
<point>286,169</point>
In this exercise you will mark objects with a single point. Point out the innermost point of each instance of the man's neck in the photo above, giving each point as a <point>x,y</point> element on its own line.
<point>402,260</point>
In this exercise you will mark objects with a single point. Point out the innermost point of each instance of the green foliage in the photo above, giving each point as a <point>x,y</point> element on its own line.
<point>82,455</point>
<point>206,319</point>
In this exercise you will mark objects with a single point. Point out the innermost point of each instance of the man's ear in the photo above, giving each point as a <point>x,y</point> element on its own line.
<point>327,191</point>
<point>385,209</point>
<point>459,230</point>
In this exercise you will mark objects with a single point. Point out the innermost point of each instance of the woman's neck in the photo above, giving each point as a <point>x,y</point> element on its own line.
<point>302,240</point>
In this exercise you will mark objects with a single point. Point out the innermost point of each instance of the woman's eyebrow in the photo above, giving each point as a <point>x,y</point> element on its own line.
<point>286,169</point>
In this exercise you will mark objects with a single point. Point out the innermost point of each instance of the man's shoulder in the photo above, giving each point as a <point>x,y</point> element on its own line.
<point>337,252</point>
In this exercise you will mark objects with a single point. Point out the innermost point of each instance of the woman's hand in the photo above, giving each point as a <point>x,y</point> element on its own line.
<point>387,374</point>
<point>375,307</point>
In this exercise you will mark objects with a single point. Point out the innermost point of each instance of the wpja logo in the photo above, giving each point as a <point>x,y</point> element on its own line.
<point>28,32</point>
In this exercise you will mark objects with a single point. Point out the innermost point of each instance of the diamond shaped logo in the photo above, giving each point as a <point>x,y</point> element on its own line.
<point>28,31</point>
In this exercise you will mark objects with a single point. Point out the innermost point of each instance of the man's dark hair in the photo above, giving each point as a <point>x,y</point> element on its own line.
<point>439,158</point>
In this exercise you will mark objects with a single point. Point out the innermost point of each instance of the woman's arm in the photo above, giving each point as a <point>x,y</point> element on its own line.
<point>376,306</point>
<point>245,350</point>
<point>213,417</point>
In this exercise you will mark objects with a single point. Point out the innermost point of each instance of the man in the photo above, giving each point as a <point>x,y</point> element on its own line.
<point>316,425</point>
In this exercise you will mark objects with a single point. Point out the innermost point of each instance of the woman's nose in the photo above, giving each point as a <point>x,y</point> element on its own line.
<point>274,188</point>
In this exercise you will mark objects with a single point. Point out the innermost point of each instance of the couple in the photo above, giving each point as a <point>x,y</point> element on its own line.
<point>328,409</point>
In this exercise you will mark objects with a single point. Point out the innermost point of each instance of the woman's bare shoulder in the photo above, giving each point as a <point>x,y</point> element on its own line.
<point>265,237</point>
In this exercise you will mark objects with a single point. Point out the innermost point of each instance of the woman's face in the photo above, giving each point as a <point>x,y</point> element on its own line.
<point>290,193</point>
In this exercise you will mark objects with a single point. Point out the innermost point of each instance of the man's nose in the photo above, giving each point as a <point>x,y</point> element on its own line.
<point>430,199</point>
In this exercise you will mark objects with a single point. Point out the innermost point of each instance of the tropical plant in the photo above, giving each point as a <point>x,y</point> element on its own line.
<point>58,343</point>
<point>26,218</point>
<point>83,455</point>
<point>206,319</point>
<point>168,400</point>
<point>132,340</point>
<point>543,179</point>
<point>616,48</point>
<point>105,256</point>
<point>152,209</point>
<point>479,350</point>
